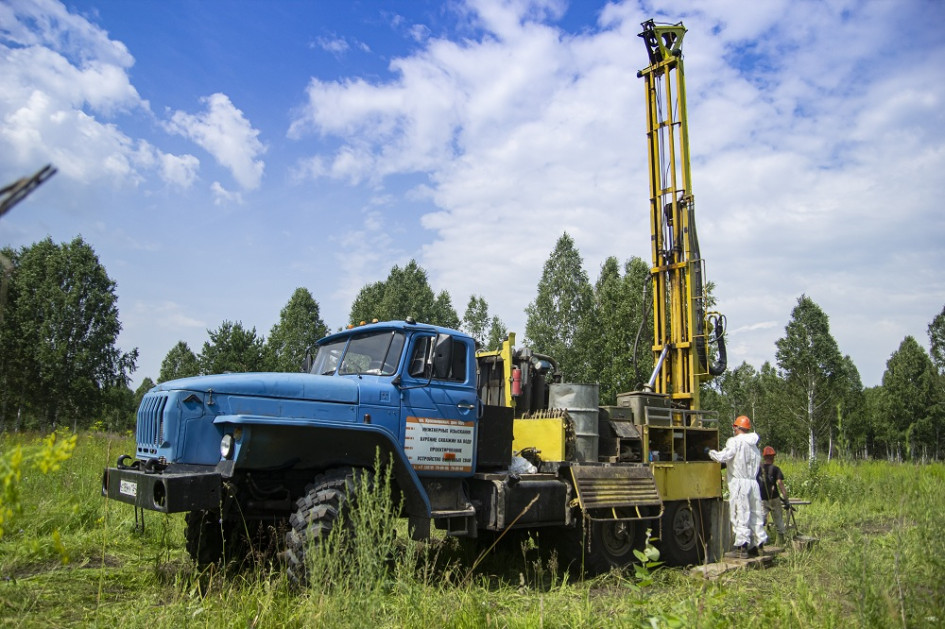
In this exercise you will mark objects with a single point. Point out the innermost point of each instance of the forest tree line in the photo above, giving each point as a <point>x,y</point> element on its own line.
<point>60,365</point>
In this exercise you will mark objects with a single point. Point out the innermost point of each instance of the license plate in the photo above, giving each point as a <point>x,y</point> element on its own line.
<point>128,488</point>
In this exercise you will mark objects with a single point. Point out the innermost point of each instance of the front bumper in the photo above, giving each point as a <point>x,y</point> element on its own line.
<point>171,490</point>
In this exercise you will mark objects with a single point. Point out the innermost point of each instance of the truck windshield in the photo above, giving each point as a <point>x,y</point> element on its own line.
<point>370,354</point>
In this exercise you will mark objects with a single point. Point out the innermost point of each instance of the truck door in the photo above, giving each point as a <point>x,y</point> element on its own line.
<point>440,405</point>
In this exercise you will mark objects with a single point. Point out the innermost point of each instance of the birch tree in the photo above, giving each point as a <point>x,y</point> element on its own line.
<point>809,363</point>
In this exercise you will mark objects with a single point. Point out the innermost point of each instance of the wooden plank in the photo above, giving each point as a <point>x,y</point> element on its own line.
<point>732,562</point>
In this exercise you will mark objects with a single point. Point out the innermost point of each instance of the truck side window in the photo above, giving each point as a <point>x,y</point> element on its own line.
<point>420,358</point>
<point>458,371</point>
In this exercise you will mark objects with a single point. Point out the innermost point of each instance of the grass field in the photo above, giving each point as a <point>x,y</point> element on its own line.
<point>71,558</point>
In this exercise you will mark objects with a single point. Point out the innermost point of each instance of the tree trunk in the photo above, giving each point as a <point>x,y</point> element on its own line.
<point>811,452</point>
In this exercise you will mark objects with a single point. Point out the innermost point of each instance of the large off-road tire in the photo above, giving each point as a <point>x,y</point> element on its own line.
<point>210,540</point>
<point>326,505</point>
<point>599,545</point>
<point>613,542</point>
<point>681,540</point>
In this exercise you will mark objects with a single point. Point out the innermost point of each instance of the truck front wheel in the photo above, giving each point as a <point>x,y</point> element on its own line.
<point>326,505</point>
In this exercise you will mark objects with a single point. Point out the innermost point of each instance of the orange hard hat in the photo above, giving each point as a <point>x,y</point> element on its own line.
<point>743,422</point>
<point>768,451</point>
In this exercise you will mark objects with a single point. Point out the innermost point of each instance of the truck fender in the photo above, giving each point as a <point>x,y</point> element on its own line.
<point>306,444</point>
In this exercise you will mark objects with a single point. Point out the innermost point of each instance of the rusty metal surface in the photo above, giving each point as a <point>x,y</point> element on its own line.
<point>619,486</point>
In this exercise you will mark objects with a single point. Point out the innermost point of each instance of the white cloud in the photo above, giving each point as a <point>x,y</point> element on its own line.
<point>224,132</point>
<point>419,32</point>
<point>816,156</point>
<point>222,196</point>
<point>180,170</point>
<point>63,79</point>
<point>170,314</point>
<point>48,24</point>
<point>334,45</point>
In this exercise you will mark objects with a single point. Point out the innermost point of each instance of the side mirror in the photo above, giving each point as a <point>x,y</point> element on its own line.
<point>442,356</point>
<point>308,362</point>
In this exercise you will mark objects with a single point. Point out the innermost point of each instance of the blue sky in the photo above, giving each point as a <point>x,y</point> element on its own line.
<point>217,155</point>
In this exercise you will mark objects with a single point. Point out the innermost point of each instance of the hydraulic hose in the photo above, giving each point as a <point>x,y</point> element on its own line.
<point>699,316</point>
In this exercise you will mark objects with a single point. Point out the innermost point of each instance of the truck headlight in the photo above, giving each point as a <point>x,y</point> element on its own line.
<point>226,446</point>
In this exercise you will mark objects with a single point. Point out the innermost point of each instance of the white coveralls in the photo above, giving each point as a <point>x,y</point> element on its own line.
<point>743,459</point>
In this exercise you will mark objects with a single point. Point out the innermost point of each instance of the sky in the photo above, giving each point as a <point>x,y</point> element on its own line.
<point>219,154</point>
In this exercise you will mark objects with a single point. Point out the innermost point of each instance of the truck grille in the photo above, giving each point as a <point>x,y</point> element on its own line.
<point>150,432</point>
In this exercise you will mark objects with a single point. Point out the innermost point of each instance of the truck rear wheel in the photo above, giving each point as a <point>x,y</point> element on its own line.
<point>601,545</point>
<point>325,506</point>
<point>612,544</point>
<point>681,534</point>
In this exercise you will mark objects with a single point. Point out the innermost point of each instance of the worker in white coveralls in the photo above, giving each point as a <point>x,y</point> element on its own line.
<point>742,460</point>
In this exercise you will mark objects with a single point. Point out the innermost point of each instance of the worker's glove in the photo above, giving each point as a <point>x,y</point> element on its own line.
<point>787,505</point>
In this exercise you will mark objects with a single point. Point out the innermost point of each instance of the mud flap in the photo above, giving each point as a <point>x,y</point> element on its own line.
<point>622,492</point>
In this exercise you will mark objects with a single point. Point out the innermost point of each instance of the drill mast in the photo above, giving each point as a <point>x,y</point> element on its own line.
<point>681,323</point>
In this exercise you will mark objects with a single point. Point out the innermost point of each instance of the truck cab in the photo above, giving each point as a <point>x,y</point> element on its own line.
<point>252,443</point>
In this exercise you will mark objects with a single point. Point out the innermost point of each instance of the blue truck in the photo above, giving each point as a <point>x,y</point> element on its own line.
<point>242,453</point>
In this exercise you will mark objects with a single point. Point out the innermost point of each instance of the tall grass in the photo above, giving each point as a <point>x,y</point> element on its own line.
<point>878,563</point>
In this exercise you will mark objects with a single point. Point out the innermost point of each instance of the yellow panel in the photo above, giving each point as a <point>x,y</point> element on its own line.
<point>679,481</point>
<point>547,435</point>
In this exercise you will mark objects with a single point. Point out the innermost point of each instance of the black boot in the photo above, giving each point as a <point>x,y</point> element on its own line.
<point>753,551</point>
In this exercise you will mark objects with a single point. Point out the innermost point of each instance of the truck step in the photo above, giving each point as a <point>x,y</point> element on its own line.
<point>453,513</point>
<point>456,522</point>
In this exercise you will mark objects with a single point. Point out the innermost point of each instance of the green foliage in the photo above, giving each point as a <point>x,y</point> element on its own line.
<point>497,332</point>
<point>619,332</point>
<point>300,326</point>
<point>488,331</point>
<point>6,271</point>
<point>405,293</point>
<point>912,404</point>
<point>648,561</point>
<point>444,313</point>
<point>777,425</point>
<point>367,557</point>
<point>476,319</point>
<point>878,563</point>
<point>45,456</point>
<point>232,348</point>
<point>367,304</point>
<point>810,364</point>
<point>736,392</point>
<point>852,422</point>
<point>146,385</point>
<point>119,410</point>
<point>562,310</point>
<point>59,334</point>
<point>180,362</point>
<point>937,341</point>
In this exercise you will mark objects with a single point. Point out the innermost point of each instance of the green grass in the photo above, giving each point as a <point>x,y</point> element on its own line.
<point>71,558</point>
